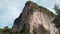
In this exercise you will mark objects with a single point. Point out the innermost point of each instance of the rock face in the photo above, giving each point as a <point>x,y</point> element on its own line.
<point>35,19</point>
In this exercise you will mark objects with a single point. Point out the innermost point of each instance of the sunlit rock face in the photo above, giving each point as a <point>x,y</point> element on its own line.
<point>35,19</point>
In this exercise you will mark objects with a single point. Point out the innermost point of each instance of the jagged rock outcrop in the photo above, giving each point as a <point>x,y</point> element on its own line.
<point>35,19</point>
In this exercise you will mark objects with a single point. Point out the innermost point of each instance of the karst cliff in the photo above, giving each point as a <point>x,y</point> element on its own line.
<point>36,20</point>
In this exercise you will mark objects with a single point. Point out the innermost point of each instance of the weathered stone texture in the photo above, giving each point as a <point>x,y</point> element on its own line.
<point>34,18</point>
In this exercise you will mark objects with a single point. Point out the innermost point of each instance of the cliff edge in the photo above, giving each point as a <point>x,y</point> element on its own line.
<point>35,20</point>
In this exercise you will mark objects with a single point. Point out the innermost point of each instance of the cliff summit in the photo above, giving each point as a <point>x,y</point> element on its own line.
<point>35,20</point>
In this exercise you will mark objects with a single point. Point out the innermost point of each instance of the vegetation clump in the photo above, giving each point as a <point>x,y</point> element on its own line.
<point>40,8</point>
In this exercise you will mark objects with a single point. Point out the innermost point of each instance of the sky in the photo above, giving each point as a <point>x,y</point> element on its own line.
<point>11,9</point>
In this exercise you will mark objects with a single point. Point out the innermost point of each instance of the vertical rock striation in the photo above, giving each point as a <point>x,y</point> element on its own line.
<point>35,19</point>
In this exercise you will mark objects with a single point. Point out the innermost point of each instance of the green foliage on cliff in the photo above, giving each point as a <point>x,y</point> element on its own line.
<point>40,8</point>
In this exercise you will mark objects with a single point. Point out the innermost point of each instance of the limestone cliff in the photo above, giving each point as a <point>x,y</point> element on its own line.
<point>35,19</point>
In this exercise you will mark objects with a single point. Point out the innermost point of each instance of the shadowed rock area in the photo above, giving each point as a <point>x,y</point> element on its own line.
<point>36,20</point>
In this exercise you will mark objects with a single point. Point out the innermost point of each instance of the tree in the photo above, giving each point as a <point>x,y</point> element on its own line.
<point>57,9</point>
<point>57,18</point>
<point>6,27</point>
